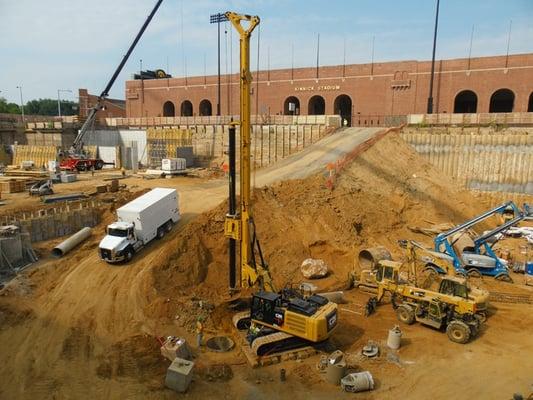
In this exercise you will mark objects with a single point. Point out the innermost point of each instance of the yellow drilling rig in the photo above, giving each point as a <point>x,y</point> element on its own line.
<point>275,321</point>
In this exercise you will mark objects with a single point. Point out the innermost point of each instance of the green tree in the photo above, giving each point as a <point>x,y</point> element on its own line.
<point>49,107</point>
<point>8,108</point>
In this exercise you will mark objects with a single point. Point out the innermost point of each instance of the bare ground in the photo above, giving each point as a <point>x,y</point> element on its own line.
<point>79,328</point>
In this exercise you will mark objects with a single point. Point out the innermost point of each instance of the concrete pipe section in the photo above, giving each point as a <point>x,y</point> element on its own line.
<point>369,258</point>
<point>64,247</point>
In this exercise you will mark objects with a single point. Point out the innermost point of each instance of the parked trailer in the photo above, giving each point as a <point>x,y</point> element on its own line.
<point>140,221</point>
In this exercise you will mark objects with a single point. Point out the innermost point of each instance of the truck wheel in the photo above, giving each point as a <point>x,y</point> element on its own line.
<point>405,314</point>
<point>161,232</point>
<point>504,278</point>
<point>169,225</point>
<point>99,165</point>
<point>458,332</point>
<point>474,273</point>
<point>129,255</point>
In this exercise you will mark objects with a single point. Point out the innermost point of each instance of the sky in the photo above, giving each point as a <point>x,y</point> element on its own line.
<point>46,45</point>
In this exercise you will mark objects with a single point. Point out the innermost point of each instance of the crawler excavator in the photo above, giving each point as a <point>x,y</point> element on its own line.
<point>275,321</point>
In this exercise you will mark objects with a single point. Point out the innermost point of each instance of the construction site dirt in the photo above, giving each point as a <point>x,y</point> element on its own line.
<point>77,327</point>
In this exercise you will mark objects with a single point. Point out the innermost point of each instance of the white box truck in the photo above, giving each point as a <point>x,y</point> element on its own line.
<point>141,220</point>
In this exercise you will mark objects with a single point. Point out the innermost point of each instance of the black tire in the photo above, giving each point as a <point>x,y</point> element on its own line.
<point>169,225</point>
<point>128,255</point>
<point>405,314</point>
<point>458,332</point>
<point>99,165</point>
<point>474,273</point>
<point>431,270</point>
<point>161,232</point>
<point>504,278</point>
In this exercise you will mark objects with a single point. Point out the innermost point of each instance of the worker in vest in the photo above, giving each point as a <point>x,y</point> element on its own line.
<point>199,331</point>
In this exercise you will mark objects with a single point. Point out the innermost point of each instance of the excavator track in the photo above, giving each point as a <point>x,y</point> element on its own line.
<point>241,320</point>
<point>277,343</point>
<point>270,344</point>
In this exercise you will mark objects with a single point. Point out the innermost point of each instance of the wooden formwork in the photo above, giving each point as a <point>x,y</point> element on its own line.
<point>162,143</point>
<point>40,155</point>
<point>12,185</point>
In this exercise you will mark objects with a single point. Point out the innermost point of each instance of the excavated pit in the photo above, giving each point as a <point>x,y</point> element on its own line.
<point>220,344</point>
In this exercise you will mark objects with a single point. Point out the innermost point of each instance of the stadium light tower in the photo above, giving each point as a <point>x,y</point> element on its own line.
<point>430,98</point>
<point>21,102</point>
<point>217,19</point>
<point>59,99</point>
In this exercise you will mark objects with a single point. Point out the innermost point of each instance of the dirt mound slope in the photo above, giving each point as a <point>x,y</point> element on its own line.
<point>374,199</point>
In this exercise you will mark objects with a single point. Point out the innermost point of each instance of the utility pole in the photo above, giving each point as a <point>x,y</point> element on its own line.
<point>430,98</point>
<point>508,44</point>
<point>317,54</point>
<point>21,103</point>
<point>470,48</point>
<point>217,19</point>
<point>142,86</point>
<point>59,100</point>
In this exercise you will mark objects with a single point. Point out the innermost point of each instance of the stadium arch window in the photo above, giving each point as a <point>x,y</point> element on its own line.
<point>465,102</point>
<point>317,106</point>
<point>206,108</point>
<point>343,107</point>
<point>291,106</point>
<point>502,101</point>
<point>186,109</point>
<point>169,109</point>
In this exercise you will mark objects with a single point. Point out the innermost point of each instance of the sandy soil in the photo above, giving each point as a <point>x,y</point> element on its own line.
<point>79,328</point>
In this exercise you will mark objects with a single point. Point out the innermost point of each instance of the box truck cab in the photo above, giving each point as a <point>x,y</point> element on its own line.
<point>147,217</point>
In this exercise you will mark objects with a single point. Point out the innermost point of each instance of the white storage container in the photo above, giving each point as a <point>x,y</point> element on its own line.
<point>173,164</point>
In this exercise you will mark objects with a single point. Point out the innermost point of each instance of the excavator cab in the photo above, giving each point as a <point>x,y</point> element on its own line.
<point>264,306</point>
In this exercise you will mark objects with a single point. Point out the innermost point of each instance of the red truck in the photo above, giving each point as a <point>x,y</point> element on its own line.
<point>81,164</point>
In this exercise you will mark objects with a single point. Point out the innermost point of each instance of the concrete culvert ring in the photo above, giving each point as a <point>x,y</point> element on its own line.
<point>220,344</point>
<point>57,253</point>
<point>368,258</point>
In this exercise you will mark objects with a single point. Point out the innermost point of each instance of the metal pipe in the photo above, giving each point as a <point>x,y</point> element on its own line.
<point>64,247</point>
<point>232,243</point>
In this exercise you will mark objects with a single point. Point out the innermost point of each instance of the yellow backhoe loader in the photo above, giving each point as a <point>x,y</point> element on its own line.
<point>451,308</point>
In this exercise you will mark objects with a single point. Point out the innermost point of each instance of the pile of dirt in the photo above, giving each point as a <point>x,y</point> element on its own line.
<point>374,199</point>
<point>138,357</point>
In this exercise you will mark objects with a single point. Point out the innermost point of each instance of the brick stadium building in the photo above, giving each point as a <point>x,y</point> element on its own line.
<point>485,84</point>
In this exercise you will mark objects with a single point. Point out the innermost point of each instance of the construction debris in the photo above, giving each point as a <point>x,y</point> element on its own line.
<point>56,198</point>
<point>357,382</point>
<point>370,350</point>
